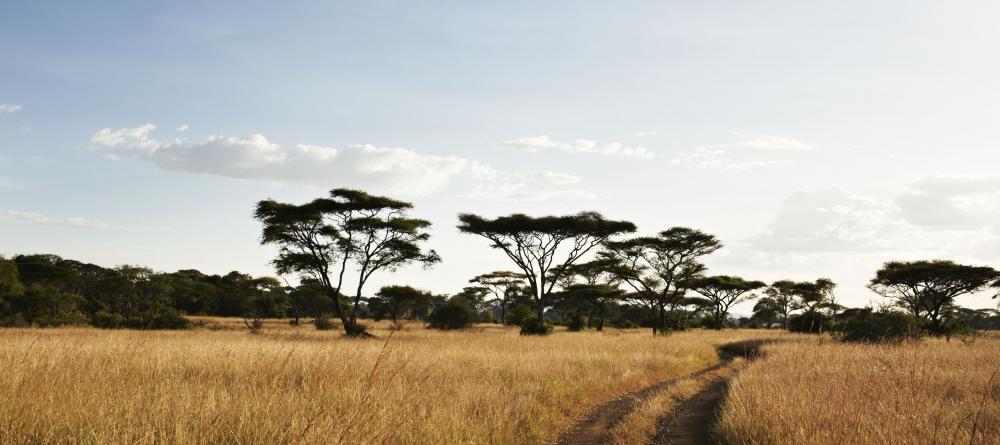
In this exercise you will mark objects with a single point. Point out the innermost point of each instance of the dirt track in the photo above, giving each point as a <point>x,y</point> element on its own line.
<point>690,423</point>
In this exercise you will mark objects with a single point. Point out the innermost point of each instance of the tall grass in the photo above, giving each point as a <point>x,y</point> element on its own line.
<point>299,385</point>
<point>820,392</point>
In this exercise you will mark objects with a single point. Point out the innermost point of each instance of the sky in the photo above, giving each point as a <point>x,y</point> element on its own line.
<point>813,141</point>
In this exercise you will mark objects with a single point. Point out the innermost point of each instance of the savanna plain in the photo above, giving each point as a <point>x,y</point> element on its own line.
<point>219,384</point>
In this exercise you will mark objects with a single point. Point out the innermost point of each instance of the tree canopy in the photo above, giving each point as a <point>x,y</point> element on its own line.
<point>323,238</point>
<point>927,289</point>
<point>658,267</point>
<point>542,247</point>
<point>723,292</point>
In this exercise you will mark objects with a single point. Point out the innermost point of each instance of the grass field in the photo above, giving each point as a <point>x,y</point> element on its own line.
<point>814,391</point>
<point>298,385</point>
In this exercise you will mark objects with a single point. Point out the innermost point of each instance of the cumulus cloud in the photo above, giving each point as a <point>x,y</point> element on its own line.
<point>734,156</point>
<point>396,170</point>
<point>952,202</point>
<point>182,127</point>
<point>38,218</point>
<point>773,143</point>
<point>544,143</point>
<point>718,158</point>
<point>9,108</point>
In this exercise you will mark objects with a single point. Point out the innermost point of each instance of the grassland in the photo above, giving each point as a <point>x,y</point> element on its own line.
<point>298,385</point>
<point>814,391</point>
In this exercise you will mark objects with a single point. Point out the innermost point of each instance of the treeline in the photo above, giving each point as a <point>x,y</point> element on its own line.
<point>580,270</point>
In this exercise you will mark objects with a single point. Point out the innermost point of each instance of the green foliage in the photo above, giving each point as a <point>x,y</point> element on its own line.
<point>659,267</point>
<point>323,323</point>
<point>882,326</point>
<point>398,302</point>
<point>519,314</point>
<point>535,326</point>
<point>542,247</point>
<point>107,320</point>
<point>624,323</point>
<point>576,323</point>
<point>722,292</point>
<point>810,322</point>
<point>323,238</point>
<point>927,289</point>
<point>455,314</point>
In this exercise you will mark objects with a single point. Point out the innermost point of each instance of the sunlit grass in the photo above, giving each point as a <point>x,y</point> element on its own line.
<point>299,385</point>
<point>821,392</point>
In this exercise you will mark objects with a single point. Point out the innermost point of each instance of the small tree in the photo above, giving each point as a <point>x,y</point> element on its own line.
<point>322,239</point>
<point>542,247</point>
<point>591,287</point>
<point>927,289</point>
<point>455,314</point>
<point>723,292</point>
<point>400,301</point>
<point>503,286</point>
<point>658,268</point>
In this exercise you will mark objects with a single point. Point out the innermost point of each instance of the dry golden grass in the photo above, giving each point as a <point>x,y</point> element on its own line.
<point>298,385</point>
<point>640,425</point>
<point>821,392</point>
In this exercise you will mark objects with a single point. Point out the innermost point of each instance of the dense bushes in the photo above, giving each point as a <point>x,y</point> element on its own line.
<point>455,314</point>
<point>881,326</point>
<point>534,326</point>
<point>810,322</point>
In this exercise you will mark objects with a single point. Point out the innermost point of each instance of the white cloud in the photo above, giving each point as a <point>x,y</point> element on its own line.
<point>646,133</point>
<point>529,186</point>
<point>182,127</point>
<point>544,143</point>
<point>394,170</point>
<point>38,218</point>
<point>831,220</point>
<point>9,109</point>
<point>773,143</point>
<point>952,202</point>
<point>715,157</point>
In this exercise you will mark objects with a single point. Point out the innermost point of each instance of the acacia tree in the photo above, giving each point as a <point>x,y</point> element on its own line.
<point>503,286</point>
<point>351,229</point>
<point>543,246</point>
<point>400,301</point>
<point>723,292</point>
<point>658,267</point>
<point>592,284</point>
<point>927,289</point>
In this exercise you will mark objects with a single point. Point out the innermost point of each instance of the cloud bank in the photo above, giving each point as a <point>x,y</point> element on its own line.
<point>395,170</point>
<point>534,144</point>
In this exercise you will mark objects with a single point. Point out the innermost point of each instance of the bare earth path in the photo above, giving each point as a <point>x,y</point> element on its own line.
<point>689,424</point>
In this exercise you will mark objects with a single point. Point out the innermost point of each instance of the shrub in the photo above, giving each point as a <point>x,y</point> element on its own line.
<point>811,322</point>
<point>455,314</point>
<point>883,326</point>
<point>107,320</point>
<point>323,323</point>
<point>534,326</point>
<point>576,323</point>
<point>167,318</point>
<point>519,314</point>
<point>624,323</point>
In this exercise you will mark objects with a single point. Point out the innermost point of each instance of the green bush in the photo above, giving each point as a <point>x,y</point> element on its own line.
<point>624,323</point>
<point>107,320</point>
<point>883,326</point>
<point>166,318</point>
<point>576,323</point>
<point>323,323</point>
<point>455,314</point>
<point>534,326</point>
<point>519,314</point>
<point>810,322</point>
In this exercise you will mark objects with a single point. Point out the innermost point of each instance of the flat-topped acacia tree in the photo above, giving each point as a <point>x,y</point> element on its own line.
<point>658,267</point>
<point>928,289</point>
<point>542,247</point>
<point>324,238</point>
<point>722,292</point>
<point>502,284</point>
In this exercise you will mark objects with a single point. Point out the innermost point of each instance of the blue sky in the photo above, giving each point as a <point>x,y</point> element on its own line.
<point>813,141</point>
